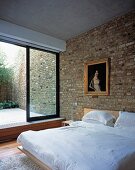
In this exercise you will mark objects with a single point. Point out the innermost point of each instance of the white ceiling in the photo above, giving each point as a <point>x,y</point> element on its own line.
<point>62,19</point>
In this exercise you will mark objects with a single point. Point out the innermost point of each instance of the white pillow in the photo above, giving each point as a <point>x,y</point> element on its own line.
<point>101,116</point>
<point>125,119</point>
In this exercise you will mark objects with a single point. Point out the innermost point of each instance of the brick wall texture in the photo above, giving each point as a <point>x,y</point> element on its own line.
<point>18,84</point>
<point>114,40</point>
<point>15,88</point>
<point>42,82</point>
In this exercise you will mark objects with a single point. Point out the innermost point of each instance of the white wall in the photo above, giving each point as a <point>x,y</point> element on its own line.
<point>27,36</point>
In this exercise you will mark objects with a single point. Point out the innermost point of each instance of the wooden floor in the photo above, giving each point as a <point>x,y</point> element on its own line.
<point>9,149</point>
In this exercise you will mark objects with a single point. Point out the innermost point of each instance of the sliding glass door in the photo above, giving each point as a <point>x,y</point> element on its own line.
<point>42,84</point>
<point>12,84</point>
<point>29,83</point>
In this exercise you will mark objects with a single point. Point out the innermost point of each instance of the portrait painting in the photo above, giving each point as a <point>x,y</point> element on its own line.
<point>96,77</point>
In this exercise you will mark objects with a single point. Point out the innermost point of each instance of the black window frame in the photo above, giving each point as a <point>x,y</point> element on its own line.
<point>28,86</point>
<point>28,118</point>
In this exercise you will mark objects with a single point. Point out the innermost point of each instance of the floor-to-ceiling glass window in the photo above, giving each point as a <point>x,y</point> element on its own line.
<point>43,89</point>
<point>29,84</point>
<point>12,84</point>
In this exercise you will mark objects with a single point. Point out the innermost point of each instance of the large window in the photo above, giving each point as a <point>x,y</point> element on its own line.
<point>29,83</point>
<point>12,84</point>
<point>42,88</point>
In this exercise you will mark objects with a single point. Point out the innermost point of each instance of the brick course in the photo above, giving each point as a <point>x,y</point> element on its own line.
<point>114,40</point>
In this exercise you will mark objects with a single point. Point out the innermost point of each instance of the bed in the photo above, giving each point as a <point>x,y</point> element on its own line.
<point>81,146</point>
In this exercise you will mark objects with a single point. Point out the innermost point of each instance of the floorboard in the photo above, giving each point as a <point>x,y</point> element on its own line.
<point>9,149</point>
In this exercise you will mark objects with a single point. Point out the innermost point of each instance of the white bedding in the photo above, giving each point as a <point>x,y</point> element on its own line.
<point>82,146</point>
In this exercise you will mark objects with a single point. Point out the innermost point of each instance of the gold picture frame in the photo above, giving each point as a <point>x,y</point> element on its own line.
<point>96,77</point>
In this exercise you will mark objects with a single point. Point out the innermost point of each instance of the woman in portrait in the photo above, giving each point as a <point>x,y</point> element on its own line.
<point>95,82</point>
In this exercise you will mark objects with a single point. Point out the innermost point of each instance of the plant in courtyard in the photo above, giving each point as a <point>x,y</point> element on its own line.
<point>8,105</point>
<point>5,72</point>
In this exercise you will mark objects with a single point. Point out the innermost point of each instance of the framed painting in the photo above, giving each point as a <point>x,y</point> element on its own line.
<point>96,77</point>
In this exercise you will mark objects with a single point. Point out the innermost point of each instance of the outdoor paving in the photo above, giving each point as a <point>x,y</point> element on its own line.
<point>11,117</point>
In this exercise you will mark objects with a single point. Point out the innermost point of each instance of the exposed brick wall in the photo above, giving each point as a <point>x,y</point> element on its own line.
<point>14,88</point>
<point>4,91</point>
<point>42,82</point>
<point>18,88</point>
<point>114,40</point>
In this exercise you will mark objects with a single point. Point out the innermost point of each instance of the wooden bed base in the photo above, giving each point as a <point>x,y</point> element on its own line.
<point>114,113</point>
<point>86,110</point>
<point>33,158</point>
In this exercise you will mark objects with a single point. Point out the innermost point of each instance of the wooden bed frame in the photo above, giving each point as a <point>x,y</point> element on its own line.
<point>114,113</point>
<point>33,158</point>
<point>40,163</point>
<point>78,116</point>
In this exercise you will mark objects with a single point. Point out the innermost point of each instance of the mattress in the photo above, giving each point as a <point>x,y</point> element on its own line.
<point>82,146</point>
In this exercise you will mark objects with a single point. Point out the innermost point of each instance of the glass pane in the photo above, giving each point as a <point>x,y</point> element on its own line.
<point>12,84</point>
<point>42,83</point>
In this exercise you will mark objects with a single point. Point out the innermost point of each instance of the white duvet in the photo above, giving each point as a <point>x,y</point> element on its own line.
<point>82,146</point>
